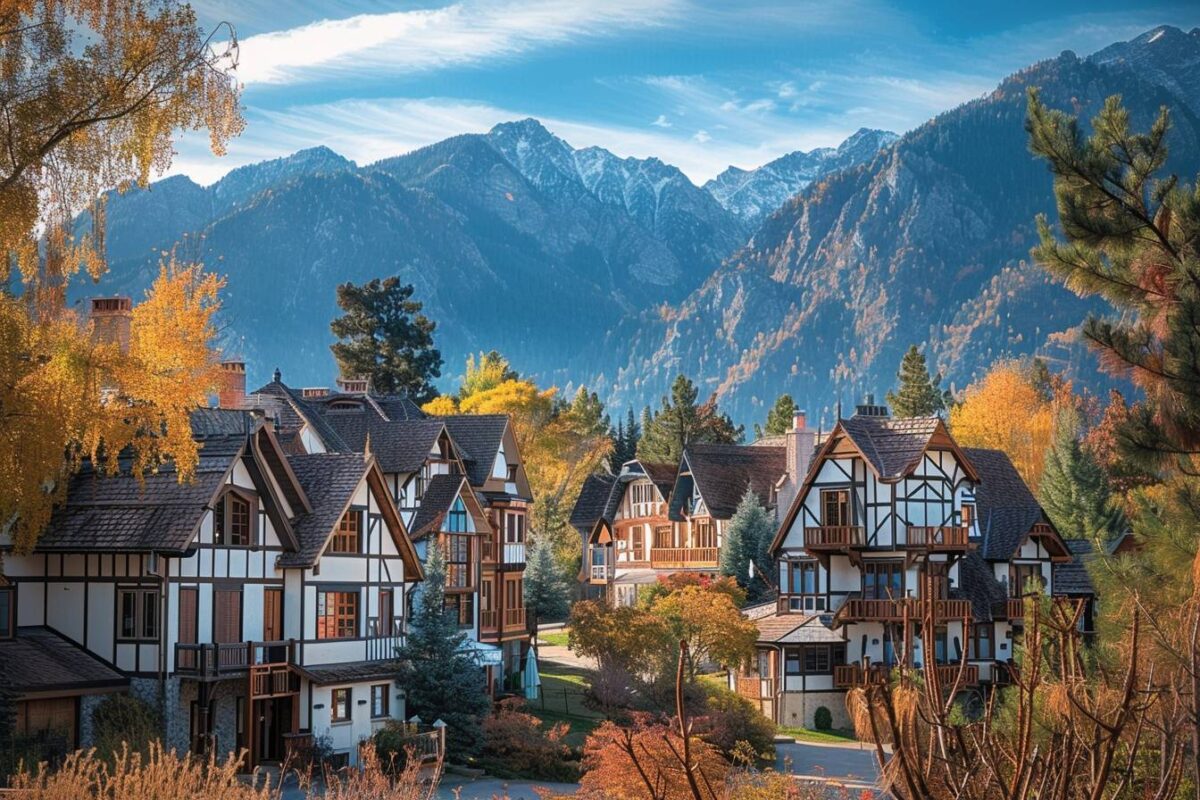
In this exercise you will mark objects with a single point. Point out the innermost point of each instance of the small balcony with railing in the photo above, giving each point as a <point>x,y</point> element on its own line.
<point>834,538</point>
<point>938,538</point>
<point>684,557</point>
<point>211,661</point>
<point>848,675</point>
<point>860,609</point>
<point>1012,609</point>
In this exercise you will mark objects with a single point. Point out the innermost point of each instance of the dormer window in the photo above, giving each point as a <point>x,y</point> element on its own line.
<point>8,612</point>
<point>512,472</point>
<point>456,519</point>
<point>348,537</point>
<point>344,405</point>
<point>233,520</point>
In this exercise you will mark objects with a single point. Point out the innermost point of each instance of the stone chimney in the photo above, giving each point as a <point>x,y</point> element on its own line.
<point>801,441</point>
<point>111,319</point>
<point>232,390</point>
<point>314,392</point>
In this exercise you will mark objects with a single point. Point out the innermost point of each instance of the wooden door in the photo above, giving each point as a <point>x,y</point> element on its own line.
<point>227,615</point>
<point>188,618</point>
<point>273,614</point>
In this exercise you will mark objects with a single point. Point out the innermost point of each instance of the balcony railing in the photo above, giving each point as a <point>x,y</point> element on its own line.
<point>211,660</point>
<point>948,610</point>
<point>858,675</point>
<point>1013,608</point>
<point>834,537</point>
<point>682,557</point>
<point>514,553</point>
<point>383,648</point>
<point>273,680</point>
<point>858,609</point>
<point>600,573</point>
<point>489,619</point>
<point>514,618</point>
<point>938,538</point>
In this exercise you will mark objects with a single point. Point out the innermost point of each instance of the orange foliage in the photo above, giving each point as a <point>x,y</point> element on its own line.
<point>643,761</point>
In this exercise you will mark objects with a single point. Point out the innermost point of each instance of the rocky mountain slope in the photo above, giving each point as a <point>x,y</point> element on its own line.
<point>755,193</point>
<point>926,242</point>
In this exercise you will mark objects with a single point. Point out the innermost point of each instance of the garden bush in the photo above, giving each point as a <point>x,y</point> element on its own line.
<point>729,718</point>
<point>515,745</point>
<point>120,720</point>
<point>823,719</point>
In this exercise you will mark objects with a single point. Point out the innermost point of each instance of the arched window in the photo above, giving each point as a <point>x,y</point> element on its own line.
<point>456,519</point>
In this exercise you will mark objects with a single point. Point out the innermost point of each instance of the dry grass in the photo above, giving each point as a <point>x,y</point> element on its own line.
<point>164,775</point>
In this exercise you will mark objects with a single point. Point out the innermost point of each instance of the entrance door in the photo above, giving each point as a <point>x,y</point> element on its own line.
<point>273,719</point>
<point>188,617</point>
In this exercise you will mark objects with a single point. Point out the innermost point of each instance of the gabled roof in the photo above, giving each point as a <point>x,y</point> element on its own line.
<point>401,446</point>
<point>723,472</point>
<point>440,494</point>
<point>977,583</point>
<point>331,479</point>
<point>479,437</point>
<point>38,659</point>
<point>592,500</point>
<point>794,629</point>
<point>894,446</point>
<point>1006,508</point>
<point>1071,577</point>
<point>292,412</point>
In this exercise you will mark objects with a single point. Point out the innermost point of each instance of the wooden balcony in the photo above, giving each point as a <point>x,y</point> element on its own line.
<point>683,557</point>
<point>834,538</point>
<point>948,674</point>
<point>213,661</point>
<point>950,610</point>
<point>489,619</point>
<point>938,538</point>
<point>877,674</point>
<point>1011,609</point>
<point>514,618</point>
<point>857,609</point>
<point>273,680</point>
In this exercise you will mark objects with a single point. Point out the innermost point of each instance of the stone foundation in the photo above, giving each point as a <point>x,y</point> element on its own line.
<point>798,709</point>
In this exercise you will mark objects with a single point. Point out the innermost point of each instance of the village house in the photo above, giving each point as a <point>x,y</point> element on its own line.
<point>255,607</point>
<point>892,513</point>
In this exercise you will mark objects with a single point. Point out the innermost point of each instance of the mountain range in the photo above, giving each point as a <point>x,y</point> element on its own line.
<point>810,274</point>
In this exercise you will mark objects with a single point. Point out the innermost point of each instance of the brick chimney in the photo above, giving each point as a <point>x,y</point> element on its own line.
<point>355,385</point>
<point>111,319</point>
<point>232,391</point>
<point>801,441</point>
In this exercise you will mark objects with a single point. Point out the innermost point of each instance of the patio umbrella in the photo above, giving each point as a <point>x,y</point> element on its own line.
<point>533,681</point>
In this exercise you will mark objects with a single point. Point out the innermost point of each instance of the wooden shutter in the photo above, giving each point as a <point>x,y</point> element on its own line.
<point>272,614</point>
<point>385,612</point>
<point>227,615</point>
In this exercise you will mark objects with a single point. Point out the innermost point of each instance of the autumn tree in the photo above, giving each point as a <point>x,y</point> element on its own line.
<point>918,394</point>
<point>779,418</point>
<point>91,95</point>
<point>1005,411</point>
<point>715,630</point>
<point>383,336</point>
<point>680,421</point>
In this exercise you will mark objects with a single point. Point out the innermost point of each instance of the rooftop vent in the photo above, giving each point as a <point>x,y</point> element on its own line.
<point>868,408</point>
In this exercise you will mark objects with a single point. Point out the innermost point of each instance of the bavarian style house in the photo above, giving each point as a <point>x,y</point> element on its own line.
<point>256,606</point>
<point>894,518</point>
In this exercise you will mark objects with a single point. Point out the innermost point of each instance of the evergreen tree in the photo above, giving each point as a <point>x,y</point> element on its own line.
<point>779,418</point>
<point>1073,489</point>
<point>440,678</point>
<point>547,595</point>
<point>745,546</point>
<point>681,421</point>
<point>384,336</point>
<point>625,440</point>
<point>918,394</point>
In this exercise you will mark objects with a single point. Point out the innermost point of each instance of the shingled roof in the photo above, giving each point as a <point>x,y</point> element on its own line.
<point>400,446</point>
<point>592,500</point>
<point>977,583</point>
<point>440,494</point>
<point>723,473</point>
<point>38,659</point>
<point>120,513</point>
<point>1071,578</point>
<point>794,629</point>
<point>478,437</point>
<point>329,480</point>
<point>1006,508</point>
<point>892,446</point>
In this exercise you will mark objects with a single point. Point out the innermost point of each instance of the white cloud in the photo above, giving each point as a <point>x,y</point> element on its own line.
<point>464,33</point>
<point>661,122</point>
<point>702,136</point>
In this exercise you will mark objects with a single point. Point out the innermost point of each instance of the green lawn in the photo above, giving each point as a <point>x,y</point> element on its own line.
<point>806,735</point>
<point>559,638</point>
<point>562,701</point>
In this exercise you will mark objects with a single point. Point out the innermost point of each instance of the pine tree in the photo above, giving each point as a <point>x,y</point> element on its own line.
<point>918,394</point>
<point>681,421</point>
<point>1073,489</point>
<point>440,678</point>
<point>745,546</point>
<point>384,336</point>
<point>779,418</point>
<point>547,595</point>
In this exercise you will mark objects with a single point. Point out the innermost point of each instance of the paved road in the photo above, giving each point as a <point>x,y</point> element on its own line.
<point>843,762</point>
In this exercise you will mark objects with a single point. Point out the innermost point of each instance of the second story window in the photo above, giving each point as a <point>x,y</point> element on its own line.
<point>835,507</point>
<point>347,538</point>
<point>883,580</point>
<point>456,517</point>
<point>981,642</point>
<point>337,615</point>
<point>138,614</point>
<point>458,561</point>
<point>1024,578</point>
<point>968,516</point>
<point>514,527</point>
<point>8,612</point>
<point>232,521</point>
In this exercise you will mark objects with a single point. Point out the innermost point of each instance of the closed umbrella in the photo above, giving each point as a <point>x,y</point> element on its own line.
<point>533,681</point>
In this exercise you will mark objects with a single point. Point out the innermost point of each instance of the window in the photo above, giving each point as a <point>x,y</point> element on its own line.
<point>791,661</point>
<point>804,585</point>
<point>514,527</point>
<point>640,494</point>
<point>386,625</point>
<point>1025,577</point>
<point>462,608</point>
<point>968,515</point>
<point>705,533</point>
<point>8,613</point>
<point>981,642</point>
<point>379,701</point>
<point>232,520</point>
<point>339,705</point>
<point>137,611</point>
<point>458,561</point>
<point>512,472</point>
<point>835,507</point>
<point>883,580</point>
<point>456,519</point>
<point>941,650</point>
<point>816,660</point>
<point>337,615</point>
<point>346,539</point>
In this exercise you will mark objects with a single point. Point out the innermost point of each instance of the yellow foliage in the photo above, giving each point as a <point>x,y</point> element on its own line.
<point>1005,411</point>
<point>66,397</point>
<point>441,406</point>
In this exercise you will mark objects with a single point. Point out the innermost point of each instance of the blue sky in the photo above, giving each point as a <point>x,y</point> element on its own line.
<point>699,84</point>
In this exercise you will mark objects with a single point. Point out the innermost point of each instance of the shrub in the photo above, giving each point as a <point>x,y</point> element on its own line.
<point>121,719</point>
<point>516,746</point>
<point>823,719</point>
<point>314,755</point>
<point>729,719</point>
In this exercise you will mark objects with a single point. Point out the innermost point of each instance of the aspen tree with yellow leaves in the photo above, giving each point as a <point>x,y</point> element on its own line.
<point>91,96</point>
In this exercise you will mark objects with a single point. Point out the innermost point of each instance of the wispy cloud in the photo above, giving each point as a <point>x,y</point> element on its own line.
<point>661,121</point>
<point>422,39</point>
